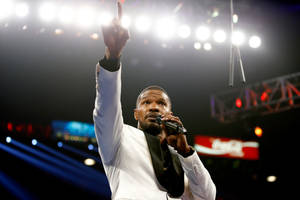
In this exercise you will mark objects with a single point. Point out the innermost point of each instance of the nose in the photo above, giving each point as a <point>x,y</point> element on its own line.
<point>154,107</point>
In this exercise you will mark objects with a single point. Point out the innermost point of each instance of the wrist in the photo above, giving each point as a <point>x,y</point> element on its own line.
<point>187,151</point>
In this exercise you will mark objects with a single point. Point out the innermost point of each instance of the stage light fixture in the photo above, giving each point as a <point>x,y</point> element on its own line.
<point>8,139</point>
<point>85,17</point>
<point>219,36</point>
<point>89,162</point>
<point>142,24</point>
<point>238,38</point>
<point>22,9</point>
<point>59,144</point>
<point>197,45</point>
<point>207,46</point>
<point>34,142</point>
<point>47,11</point>
<point>184,31</point>
<point>58,31</point>
<point>258,131</point>
<point>254,42</point>
<point>6,8</point>
<point>166,28</point>
<point>271,178</point>
<point>90,147</point>
<point>104,19</point>
<point>202,33</point>
<point>235,18</point>
<point>238,103</point>
<point>126,21</point>
<point>65,15</point>
<point>94,36</point>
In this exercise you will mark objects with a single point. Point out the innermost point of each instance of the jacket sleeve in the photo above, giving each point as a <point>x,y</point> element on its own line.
<point>200,185</point>
<point>107,114</point>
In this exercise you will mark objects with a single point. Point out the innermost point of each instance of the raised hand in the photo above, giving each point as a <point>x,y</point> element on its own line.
<point>115,36</point>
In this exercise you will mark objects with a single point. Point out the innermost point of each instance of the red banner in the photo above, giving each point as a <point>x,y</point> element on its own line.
<point>226,147</point>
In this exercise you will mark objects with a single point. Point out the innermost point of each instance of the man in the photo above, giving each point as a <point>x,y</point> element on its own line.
<point>151,162</point>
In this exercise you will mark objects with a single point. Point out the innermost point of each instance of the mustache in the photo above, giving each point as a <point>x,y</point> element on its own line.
<point>152,115</point>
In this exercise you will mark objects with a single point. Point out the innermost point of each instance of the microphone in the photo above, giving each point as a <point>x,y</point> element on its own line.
<point>172,125</point>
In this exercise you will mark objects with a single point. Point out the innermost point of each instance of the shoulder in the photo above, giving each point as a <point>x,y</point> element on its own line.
<point>127,128</point>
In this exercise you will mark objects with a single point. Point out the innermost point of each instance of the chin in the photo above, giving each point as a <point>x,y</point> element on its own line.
<point>152,128</point>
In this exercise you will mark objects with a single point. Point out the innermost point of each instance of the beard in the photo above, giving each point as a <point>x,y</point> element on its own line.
<point>152,128</point>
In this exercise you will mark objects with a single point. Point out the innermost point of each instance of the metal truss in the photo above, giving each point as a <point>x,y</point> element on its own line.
<point>267,97</point>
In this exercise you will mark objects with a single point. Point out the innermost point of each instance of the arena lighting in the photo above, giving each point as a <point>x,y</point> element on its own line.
<point>254,42</point>
<point>104,19</point>
<point>238,38</point>
<point>79,152</point>
<point>235,18</point>
<point>202,33</point>
<point>85,17</point>
<point>59,144</point>
<point>89,162</point>
<point>126,21</point>
<point>271,178</point>
<point>90,147</point>
<point>81,181</point>
<point>94,36</point>
<point>143,23</point>
<point>258,131</point>
<point>184,31</point>
<point>6,8</point>
<point>47,11</point>
<point>219,36</point>
<point>8,139</point>
<point>34,142</point>
<point>166,28</point>
<point>22,9</point>
<point>197,45</point>
<point>238,103</point>
<point>65,15</point>
<point>207,46</point>
<point>13,187</point>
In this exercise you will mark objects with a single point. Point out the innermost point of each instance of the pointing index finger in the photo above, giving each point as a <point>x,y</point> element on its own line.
<point>119,10</point>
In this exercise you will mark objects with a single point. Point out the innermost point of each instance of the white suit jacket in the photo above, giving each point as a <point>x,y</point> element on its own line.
<point>125,154</point>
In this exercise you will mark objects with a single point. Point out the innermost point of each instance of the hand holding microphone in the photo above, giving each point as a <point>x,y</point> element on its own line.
<point>172,123</point>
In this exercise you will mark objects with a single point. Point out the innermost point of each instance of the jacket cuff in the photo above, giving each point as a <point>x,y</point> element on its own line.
<point>111,65</point>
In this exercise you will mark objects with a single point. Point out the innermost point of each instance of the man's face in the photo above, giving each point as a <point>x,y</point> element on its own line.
<point>152,103</point>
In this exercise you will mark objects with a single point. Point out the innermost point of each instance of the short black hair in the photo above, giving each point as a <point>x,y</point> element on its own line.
<point>152,87</point>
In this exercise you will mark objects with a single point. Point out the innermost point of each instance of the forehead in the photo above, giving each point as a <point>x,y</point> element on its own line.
<point>153,93</point>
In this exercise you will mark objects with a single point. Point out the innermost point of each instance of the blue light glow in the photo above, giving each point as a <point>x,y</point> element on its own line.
<point>8,139</point>
<point>34,142</point>
<point>91,147</point>
<point>59,144</point>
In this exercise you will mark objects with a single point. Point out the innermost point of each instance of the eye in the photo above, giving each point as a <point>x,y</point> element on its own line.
<point>146,102</point>
<point>162,103</point>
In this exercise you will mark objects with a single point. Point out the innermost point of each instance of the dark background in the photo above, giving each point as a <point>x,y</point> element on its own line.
<point>47,77</point>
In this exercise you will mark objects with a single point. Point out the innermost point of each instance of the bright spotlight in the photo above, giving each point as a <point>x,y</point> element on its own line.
<point>90,147</point>
<point>184,31</point>
<point>235,18</point>
<point>22,9</point>
<point>6,8</point>
<point>89,162</point>
<point>166,28</point>
<point>34,142</point>
<point>8,139</point>
<point>126,21</point>
<point>59,144</point>
<point>85,17</point>
<point>197,45</point>
<point>219,36</point>
<point>202,33</point>
<point>47,12</point>
<point>207,46</point>
<point>271,179</point>
<point>254,42</point>
<point>105,18</point>
<point>142,23</point>
<point>65,15</point>
<point>238,38</point>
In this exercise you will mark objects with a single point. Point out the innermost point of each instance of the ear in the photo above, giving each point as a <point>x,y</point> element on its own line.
<point>136,114</point>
